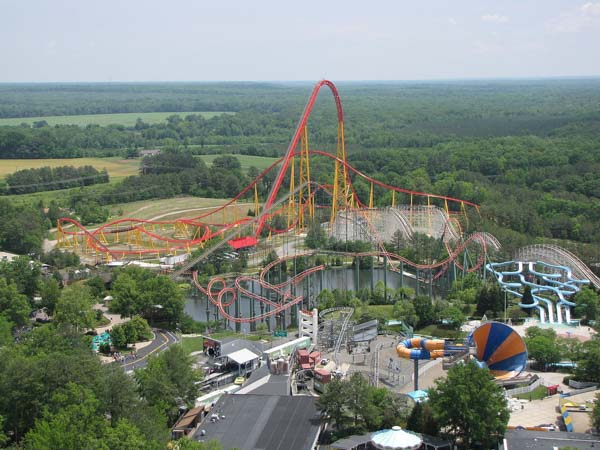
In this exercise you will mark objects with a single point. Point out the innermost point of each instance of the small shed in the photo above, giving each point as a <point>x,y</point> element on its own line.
<point>187,422</point>
<point>246,360</point>
<point>418,396</point>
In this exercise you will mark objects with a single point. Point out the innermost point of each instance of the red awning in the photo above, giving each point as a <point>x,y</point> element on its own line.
<point>243,242</point>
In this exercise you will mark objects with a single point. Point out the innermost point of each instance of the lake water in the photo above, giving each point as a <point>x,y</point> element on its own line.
<point>201,309</point>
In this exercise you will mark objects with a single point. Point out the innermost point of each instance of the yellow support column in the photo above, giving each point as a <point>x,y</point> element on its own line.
<point>464,211</point>
<point>304,201</point>
<point>292,199</point>
<point>411,209</point>
<point>371,197</point>
<point>393,199</point>
<point>256,205</point>
<point>429,215</point>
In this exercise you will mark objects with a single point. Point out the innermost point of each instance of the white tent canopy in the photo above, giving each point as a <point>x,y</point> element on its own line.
<point>395,439</point>
<point>242,356</point>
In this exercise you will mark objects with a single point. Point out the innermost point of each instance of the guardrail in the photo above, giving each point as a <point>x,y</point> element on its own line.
<point>581,384</point>
<point>578,391</point>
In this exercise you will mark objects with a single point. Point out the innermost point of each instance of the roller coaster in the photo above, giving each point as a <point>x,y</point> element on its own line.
<point>132,238</point>
<point>296,197</point>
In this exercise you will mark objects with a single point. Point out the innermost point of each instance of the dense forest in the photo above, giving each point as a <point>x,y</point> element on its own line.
<point>527,151</point>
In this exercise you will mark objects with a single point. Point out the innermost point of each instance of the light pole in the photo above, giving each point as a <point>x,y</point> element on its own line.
<point>154,307</point>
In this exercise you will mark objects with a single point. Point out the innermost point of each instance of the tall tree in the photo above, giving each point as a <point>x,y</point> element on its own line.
<point>596,413</point>
<point>422,420</point>
<point>588,365</point>
<point>72,423</point>
<point>469,407</point>
<point>333,401</point>
<point>357,396</point>
<point>26,274</point>
<point>405,310</point>
<point>74,308</point>
<point>13,305</point>
<point>543,350</point>
<point>126,295</point>
<point>587,303</point>
<point>167,378</point>
<point>164,293</point>
<point>50,292</point>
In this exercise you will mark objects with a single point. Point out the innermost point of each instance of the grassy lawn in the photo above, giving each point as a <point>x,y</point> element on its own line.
<point>126,119</point>
<point>174,208</point>
<point>439,332</point>
<point>192,344</point>
<point>116,167</point>
<point>381,312</point>
<point>260,162</point>
<point>537,394</point>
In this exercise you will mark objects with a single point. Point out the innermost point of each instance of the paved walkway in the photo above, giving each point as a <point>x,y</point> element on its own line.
<point>546,411</point>
<point>162,339</point>
<point>115,319</point>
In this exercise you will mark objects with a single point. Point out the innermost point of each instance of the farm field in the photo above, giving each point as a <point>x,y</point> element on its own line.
<point>116,167</point>
<point>260,162</point>
<point>173,208</point>
<point>125,119</point>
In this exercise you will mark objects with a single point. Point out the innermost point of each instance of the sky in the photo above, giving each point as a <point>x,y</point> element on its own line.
<point>256,40</point>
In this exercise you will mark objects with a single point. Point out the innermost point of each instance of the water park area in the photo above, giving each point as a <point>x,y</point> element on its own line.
<point>550,287</point>
<point>101,340</point>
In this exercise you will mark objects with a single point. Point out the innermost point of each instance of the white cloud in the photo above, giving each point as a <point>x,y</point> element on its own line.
<point>496,18</point>
<point>586,17</point>
<point>591,9</point>
<point>452,21</point>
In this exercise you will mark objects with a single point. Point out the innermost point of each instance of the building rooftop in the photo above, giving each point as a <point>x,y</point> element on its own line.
<point>262,382</point>
<point>7,256</point>
<point>243,242</point>
<point>229,346</point>
<point>262,422</point>
<point>542,440</point>
<point>242,356</point>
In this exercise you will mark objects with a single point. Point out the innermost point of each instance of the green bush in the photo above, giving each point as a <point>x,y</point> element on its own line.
<point>191,326</point>
<point>135,330</point>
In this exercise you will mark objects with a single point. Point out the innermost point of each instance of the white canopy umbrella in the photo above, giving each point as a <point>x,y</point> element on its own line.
<point>395,439</point>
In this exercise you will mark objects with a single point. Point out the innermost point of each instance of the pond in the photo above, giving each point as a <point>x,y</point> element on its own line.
<point>202,310</point>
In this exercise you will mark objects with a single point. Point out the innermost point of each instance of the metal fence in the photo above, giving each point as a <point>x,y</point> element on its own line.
<point>523,390</point>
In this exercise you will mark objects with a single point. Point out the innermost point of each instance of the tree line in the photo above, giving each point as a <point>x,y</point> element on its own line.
<point>47,178</point>
<point>535,183</point>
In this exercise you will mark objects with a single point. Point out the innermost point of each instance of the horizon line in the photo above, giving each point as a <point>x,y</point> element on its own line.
<point>408,80</point>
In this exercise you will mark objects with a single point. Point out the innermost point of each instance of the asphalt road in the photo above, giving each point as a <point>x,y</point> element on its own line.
<point>162,340</point>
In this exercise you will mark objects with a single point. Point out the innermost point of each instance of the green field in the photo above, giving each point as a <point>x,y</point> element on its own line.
<point>438,331</point>
<point>170,208</point>
<point>116,167</point>
<point>260,162</point>
<point>538,393</point>
<point>192,344</point>
<point>125,119</point>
